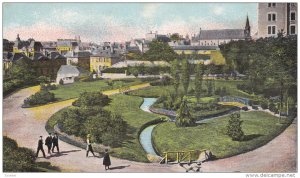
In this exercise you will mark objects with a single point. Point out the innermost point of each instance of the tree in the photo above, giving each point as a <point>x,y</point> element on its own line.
<point>234,127</point>
<point>184,118</point>
<point>175,37</point>
<point>22,70</point>
<point>185,75</point>
<point>87,99</point>
<point>159,51</point>
<point>198,81</point>
<point>209,85</point>
<point>175,70</point>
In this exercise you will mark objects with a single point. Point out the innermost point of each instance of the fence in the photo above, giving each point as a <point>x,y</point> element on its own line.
<point>244,101</point>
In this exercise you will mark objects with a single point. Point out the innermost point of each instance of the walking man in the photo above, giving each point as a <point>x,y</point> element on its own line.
<point>106,160</point>
<point>55,143</point>
<point>48,142</point>
<point>89,147</point>
<point>40,147</point>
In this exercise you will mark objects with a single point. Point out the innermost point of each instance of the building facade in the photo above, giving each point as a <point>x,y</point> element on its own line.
<point>98,62</point>
<point>80,58</point>
<point>276,17</point>
<point>218,37</point>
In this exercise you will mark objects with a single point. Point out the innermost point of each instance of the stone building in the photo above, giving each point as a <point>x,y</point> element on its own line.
<point>80,58</point>
<point>218,37</point>
<point>274,17</point>
<point>100,61</point>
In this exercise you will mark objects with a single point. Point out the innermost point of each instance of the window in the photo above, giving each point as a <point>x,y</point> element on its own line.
<point>271,4</point>
<point>272,17</point>
<point>293,15</point>
<point>271,30</point>
<point>293,29</point>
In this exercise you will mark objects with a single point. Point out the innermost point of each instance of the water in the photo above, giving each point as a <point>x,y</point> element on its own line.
<point>146,134</point>
<point>147,103</point>
<point>145,140</point>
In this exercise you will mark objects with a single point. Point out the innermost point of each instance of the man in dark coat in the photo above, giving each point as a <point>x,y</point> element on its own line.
<point>55,143</point>
<point>40,147</point>
<point>106,160</point>
<point>48,142</point>
<point>89,147</point>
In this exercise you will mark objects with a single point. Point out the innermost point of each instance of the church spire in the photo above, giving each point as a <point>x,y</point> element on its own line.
<point>247,23</point>
<point>247,31</point>
<point>18,38</point>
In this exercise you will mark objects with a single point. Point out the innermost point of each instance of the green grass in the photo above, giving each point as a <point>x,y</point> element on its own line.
<point>64,92</point>
<point>259,128</point>
<point>157,91</point>
<point>128,107</point>
<point>202,100</point>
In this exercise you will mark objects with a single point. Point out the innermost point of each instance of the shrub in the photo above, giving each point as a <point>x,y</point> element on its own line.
<point>184,118</point>
<point>48,87</point>
<point>234,127</point>
<point>18,159</point>
<point>264,104</point>
<point>41,97</point>
<point>115,70</point>
<point>91,99</point>
<point>273,108</point>
<point>43,79</point>
<point>61,82</point>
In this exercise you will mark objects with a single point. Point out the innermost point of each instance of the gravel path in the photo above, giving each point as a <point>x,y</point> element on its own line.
<point>26,125</point>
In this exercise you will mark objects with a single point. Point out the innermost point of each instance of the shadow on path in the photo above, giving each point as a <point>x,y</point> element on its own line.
<point>62,153</point>
<point>118,167</point>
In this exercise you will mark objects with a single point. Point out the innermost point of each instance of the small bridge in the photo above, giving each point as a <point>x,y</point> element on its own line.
<point>233,99</point>
<point>176,157</point>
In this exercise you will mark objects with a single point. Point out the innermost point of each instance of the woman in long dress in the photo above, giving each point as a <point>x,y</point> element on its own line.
<point>106,160</point>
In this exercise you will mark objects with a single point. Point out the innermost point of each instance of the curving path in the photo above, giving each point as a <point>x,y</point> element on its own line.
<point>26,125</point>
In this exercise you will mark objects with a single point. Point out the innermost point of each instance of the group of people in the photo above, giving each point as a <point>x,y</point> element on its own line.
<point>52,141</point>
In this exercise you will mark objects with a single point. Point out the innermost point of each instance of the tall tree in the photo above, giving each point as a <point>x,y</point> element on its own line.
<point>185,75</point>
<point>198,81</point>
<point>175,71</point>
<point>184,117</point>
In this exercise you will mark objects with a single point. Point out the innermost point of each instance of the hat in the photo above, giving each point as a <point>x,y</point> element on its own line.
<point>89,135</point>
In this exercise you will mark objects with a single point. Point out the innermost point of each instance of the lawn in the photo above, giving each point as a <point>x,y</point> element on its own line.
<point>69,91</point>
<point>128,107</point>
<point>157,91</point>
<point>259,128</point>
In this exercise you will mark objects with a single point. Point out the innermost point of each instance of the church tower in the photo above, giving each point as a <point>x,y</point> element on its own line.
<point>247,31</point>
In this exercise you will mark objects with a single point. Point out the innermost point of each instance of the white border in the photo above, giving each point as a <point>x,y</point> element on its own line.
<point>131,175</point>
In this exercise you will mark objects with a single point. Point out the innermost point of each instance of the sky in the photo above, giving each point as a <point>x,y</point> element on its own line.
<point>119,22</point>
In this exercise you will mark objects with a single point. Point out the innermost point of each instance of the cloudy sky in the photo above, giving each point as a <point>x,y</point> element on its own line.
<point>99,22</point>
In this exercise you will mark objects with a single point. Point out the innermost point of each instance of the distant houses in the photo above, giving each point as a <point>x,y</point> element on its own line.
<point>48,57</point>
<point>67,74</point>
